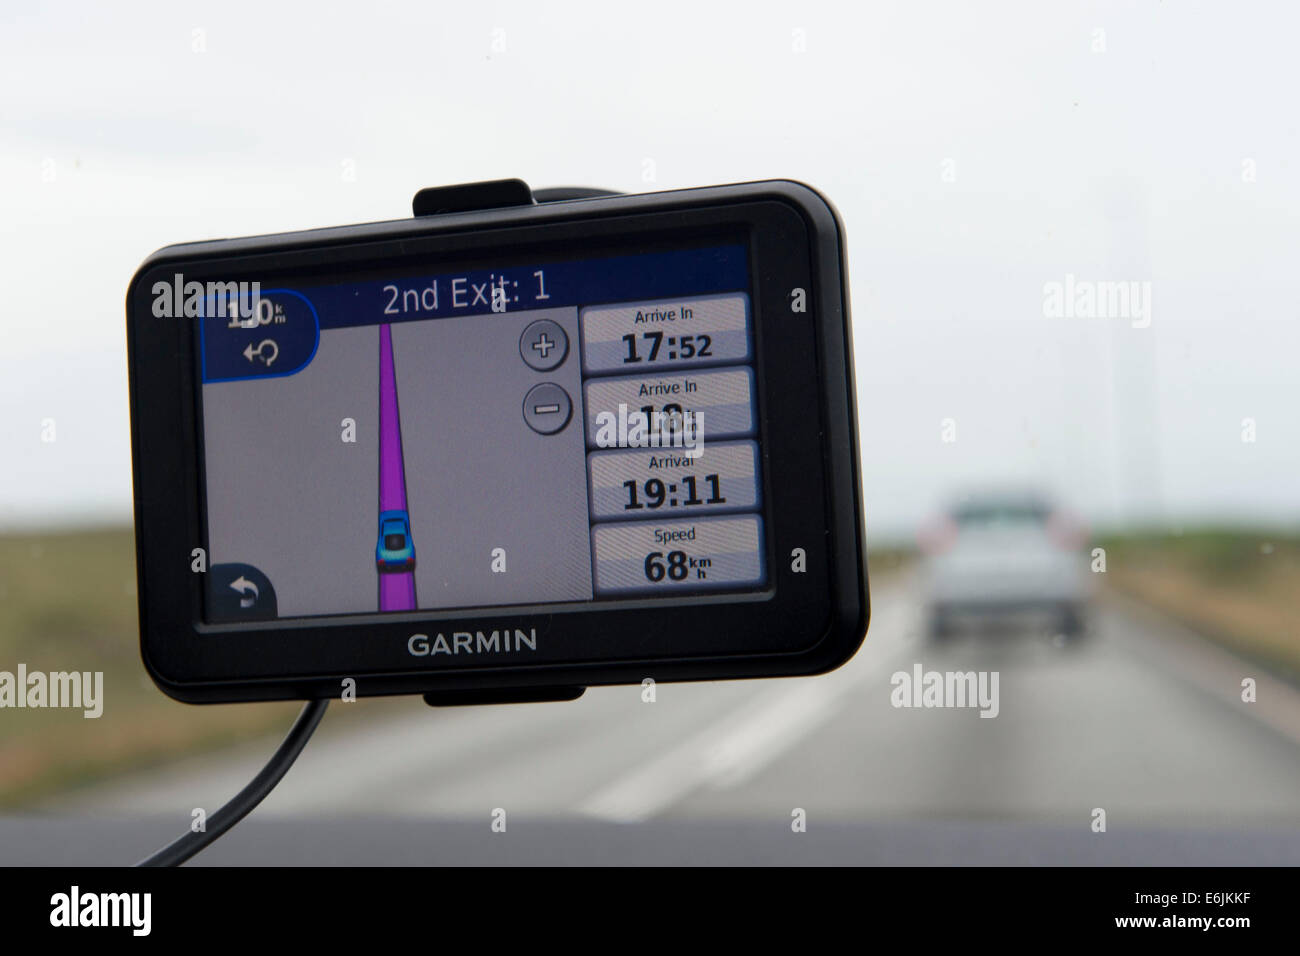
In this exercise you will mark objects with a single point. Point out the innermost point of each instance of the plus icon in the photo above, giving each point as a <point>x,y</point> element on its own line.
<point>543,345</point>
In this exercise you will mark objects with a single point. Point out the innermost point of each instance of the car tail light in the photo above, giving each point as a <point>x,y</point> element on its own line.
<point>1066,533</point>
<point>938,536</point>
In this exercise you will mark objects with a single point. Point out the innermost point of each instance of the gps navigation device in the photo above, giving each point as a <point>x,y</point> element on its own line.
<point>502,450</point>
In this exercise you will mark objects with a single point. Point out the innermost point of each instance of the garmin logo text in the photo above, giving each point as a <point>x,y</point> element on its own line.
<point>473,642</point>
<point>75,908</point>
<point>241,302</point>
<point>57,689</point>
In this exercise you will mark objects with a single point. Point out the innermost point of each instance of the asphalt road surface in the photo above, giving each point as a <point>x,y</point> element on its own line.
<point>1142,719</point>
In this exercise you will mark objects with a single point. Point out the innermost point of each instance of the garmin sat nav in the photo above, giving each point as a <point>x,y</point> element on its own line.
<point>499,453</point>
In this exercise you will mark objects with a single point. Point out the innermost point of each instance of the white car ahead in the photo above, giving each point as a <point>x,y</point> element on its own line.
<point>1003,556</point>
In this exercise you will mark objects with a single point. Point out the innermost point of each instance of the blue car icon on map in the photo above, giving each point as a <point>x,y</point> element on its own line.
<point>395,551</point>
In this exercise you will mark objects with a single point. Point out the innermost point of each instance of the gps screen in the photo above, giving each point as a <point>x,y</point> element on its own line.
<point>569,431</point>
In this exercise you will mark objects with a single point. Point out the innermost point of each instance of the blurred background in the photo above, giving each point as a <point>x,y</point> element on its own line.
<point>1100,506</point>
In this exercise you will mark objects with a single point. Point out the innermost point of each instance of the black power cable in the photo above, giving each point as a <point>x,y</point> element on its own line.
<point>176,853</point>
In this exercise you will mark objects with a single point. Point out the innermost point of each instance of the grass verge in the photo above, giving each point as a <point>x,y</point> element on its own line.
<point>1238,587</point>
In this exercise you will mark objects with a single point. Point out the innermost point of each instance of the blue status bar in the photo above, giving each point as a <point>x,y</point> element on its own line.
<point>290,320</point>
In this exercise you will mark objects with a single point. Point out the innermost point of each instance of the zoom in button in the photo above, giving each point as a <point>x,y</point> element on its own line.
<point>544,345</point>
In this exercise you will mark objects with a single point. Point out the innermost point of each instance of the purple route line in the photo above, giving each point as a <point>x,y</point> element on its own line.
<point>396,589</point>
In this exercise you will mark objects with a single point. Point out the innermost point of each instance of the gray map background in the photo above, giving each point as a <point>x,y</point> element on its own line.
<point>285,492</point>
<point>477,477</point>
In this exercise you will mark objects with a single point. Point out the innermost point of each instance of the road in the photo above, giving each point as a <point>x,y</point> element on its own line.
<point>1143,720</point>
<point>396,588</point>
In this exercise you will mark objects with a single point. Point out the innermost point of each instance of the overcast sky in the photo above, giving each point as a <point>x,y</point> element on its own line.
<point>975,152</point>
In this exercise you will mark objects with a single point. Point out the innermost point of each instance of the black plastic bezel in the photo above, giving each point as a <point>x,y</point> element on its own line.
<point>801,623</point>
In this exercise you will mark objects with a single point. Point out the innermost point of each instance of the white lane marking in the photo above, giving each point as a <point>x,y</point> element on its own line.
<point>740,744</point>
<point>728,751</point>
